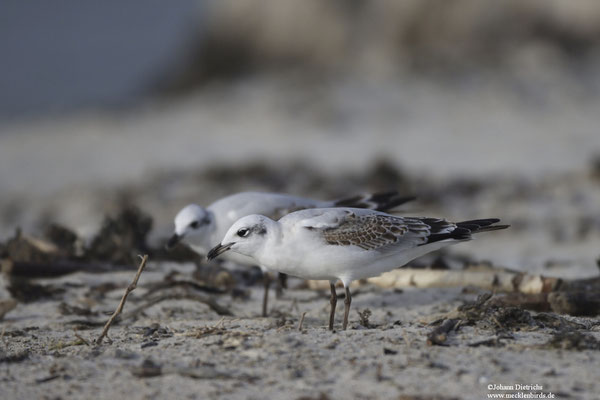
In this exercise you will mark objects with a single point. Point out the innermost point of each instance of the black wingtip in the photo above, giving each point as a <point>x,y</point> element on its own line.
<point>482,225</point>
<point>464,230</point>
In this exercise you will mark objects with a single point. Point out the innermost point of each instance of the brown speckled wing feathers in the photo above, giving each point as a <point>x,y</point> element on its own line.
<point>376,232</point>
<point>383,232</point>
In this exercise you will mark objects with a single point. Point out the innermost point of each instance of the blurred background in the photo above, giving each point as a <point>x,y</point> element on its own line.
<point>479,108</point>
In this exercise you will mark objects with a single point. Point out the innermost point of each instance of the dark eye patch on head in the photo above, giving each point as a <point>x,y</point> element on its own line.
<point>258,229</point>
<point>243,232</point>
<point>198,224</point>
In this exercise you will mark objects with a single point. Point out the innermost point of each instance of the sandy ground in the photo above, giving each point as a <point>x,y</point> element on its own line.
<point>173,349</point>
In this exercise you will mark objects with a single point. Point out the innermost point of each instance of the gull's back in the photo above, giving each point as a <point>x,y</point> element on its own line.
<point>273,205</point>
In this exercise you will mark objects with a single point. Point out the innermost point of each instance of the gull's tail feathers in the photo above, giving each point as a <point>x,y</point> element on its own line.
<point>465,229</point>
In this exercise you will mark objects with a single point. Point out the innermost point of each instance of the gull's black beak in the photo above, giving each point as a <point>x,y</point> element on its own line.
<point>173,241</point>
<point>218,249</point>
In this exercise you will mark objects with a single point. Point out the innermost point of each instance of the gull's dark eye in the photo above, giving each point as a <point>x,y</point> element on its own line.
<point>195,225</point>
<point>243,232</point>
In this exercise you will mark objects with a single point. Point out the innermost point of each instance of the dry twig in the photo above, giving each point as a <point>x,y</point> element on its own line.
<point>301,321</point>
<point>129,289</point>
<point>78,336</point>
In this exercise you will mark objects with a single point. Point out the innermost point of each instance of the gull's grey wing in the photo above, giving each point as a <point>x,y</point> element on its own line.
<point>380,201</point>
<point>273,205</point>
<point>280,212</point>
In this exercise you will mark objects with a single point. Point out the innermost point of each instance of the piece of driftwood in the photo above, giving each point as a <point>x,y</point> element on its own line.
<point>529,301</point>
<point>55,269</point>
<point>31,249</point>
<point>581,285</point>
<point>170,282</point>
<point>26,290</point>
<point>577,303</point>
<point>119,309</point>
<point>487,278</point>
<point>184,295</point>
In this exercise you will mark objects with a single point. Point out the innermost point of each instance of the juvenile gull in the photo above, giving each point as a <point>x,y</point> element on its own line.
<point>201,228</point>
<point>342,243</point>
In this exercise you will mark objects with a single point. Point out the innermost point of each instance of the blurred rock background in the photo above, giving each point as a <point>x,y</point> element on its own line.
<point>480,108</point>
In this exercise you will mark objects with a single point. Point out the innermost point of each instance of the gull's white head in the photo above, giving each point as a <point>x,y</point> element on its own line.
<point>246,236</point>
<point>192,221</point>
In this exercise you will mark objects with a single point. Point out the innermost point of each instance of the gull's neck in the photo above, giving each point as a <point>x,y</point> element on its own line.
<point>268,252</point>
<point>203,241</point>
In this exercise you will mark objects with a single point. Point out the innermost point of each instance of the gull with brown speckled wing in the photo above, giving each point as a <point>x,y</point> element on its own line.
<point>343,243</point>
